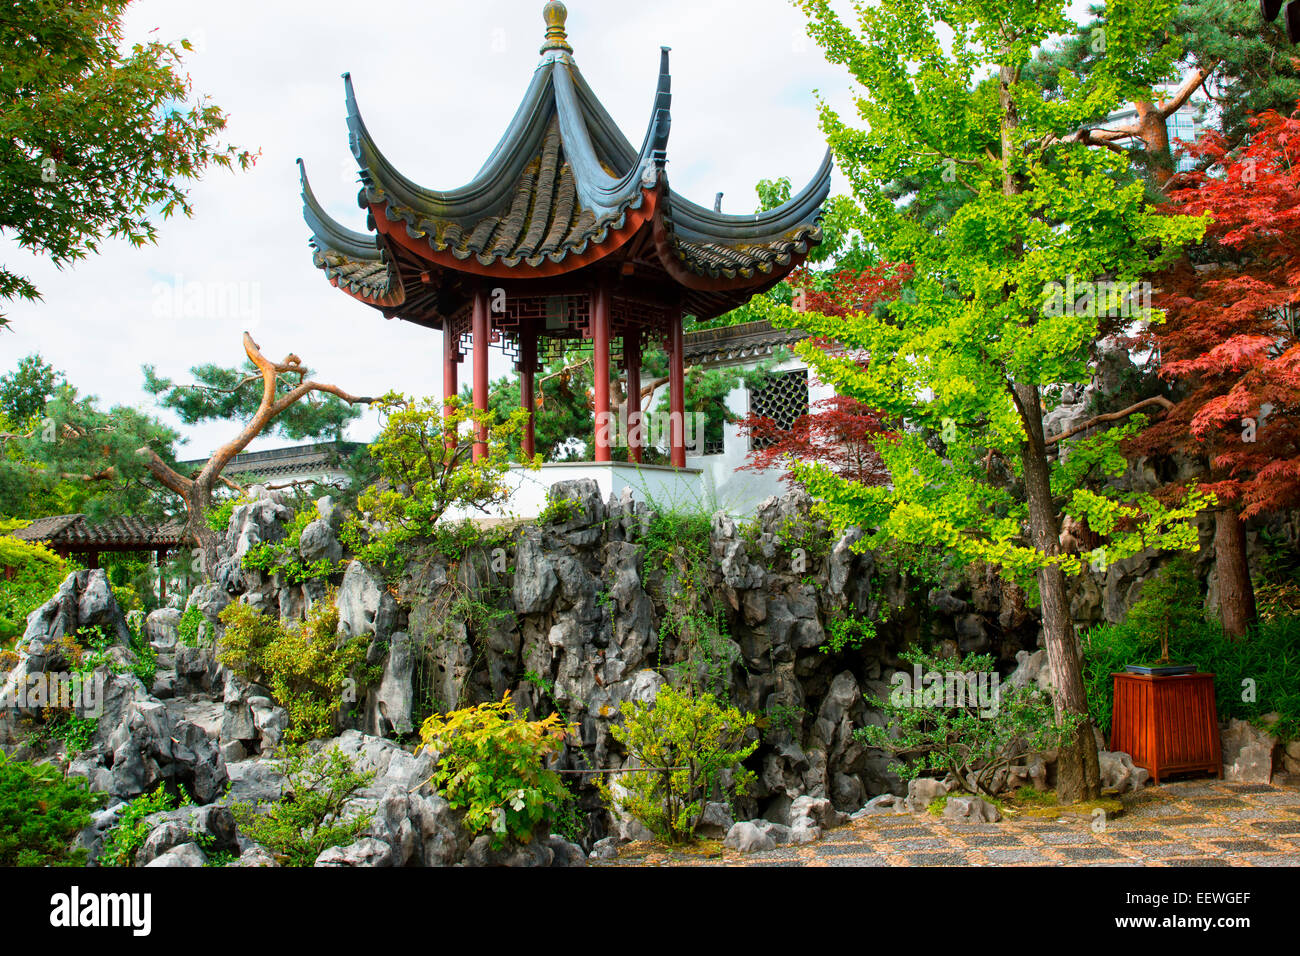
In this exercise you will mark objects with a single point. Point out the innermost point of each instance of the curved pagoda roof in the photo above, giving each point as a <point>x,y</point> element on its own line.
<point>564,192</point>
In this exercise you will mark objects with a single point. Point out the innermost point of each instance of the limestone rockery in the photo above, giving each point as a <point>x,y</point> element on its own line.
<point>569,616</point>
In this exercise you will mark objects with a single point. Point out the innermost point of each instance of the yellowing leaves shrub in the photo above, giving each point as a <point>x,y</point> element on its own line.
<point>302,664</point>
<point>492,765</point>
<point>688,747</point>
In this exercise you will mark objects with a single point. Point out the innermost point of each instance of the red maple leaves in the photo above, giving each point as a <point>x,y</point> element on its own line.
<point>1230,338</point>
<point>839,431</point>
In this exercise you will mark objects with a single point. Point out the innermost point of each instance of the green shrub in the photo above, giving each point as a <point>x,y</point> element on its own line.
<point>491,764</point>
<point>282,557</point>
<point>37,573</point>
<point>688,746</point>
<point>218,518</point>
<point>782,717</point>
<point>305,668</point>
<point>1170,603</point>
<point>187,631</point>
<point>128,834</point>
<point>127,598</point>
<point>425,452</point>
<point>970,735</point>
<point>41,813</point>
<point>298,828</point>
<point>1263,665</point>
<point>557,510</point>
<point>96,644</point>
<point>1277,585</point>
<point>675,540</point>
<point>850,632</point>
<point>75,730</point>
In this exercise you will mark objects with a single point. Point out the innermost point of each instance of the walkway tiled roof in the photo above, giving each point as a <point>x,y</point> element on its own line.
<point>734,343</point>
<point>76,532</point>
<point>277,462</point>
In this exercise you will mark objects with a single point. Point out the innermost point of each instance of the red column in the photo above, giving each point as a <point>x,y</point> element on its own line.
<point>632,356</point>
<point>600,322</point>
<point>450,371</point>
<point>482,333</point>
<point>527,370</point>
<point>162,577</point>
<point>676,393</point>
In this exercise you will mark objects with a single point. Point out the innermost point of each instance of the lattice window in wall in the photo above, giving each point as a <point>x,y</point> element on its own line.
<point>783,397</point>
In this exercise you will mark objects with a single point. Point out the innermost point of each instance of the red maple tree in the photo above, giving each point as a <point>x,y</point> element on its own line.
<point>839,432</point>
<point>1229,344</point>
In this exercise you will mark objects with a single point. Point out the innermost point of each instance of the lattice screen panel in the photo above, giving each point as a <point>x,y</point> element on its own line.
<point>782,398</point>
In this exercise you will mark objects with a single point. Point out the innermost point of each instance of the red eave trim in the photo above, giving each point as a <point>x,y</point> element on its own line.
<point>698,283</point>
<point>636,218</point>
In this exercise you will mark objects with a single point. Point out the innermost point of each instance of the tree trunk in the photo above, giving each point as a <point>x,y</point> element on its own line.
<point>1078,774</point>
<point>197,503</point>
<point>1236,592</point>
<point>1154,136</point>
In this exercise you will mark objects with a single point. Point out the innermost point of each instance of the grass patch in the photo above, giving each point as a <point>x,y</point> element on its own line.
<point>652,849</point>
<point>1033,797</point>
<point>1112,806</point>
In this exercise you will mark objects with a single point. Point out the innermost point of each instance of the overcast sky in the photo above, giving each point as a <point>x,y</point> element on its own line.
<point>437,83</point>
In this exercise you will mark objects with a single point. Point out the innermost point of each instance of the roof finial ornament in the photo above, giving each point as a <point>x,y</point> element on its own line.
<point>555,13</point>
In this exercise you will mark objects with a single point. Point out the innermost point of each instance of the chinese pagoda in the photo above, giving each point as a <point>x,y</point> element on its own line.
<point>568,237</point>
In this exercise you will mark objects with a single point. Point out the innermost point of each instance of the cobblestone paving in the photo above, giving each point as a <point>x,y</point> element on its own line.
<point>1192,823</point>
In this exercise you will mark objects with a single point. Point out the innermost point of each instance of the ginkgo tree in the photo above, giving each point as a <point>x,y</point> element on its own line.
<point>962,359</point>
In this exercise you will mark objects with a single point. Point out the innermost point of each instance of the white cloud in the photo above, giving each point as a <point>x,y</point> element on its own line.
<point>437,84</point>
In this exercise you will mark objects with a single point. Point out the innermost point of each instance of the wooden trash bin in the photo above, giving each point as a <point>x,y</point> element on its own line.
<point>1167,724</point>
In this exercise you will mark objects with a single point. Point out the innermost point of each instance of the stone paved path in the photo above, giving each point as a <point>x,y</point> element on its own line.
<point>1192,823</point>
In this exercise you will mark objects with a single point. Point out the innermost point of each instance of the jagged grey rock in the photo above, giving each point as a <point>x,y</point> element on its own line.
<point>83,601</point>
<point>971,808</point>
<point>886,803</point>
<point>364,604</point>
<point>319,543</point>
<point>564,853</point>
<point>390,706</point>
<point>747,837</point>
<point>269,720</point>
<point>255,856</point>
<point>254,781</point>
<point>481,853</point>
<point>1247,752</point>
<point>1118,772</point>
<point>808,811</point>
<point>715,821</point>
<point>923,791</point>
<point>160,627</point>
<point>535,581</point>
<point>187,854</point>
<point>365,852</point>
<point>162,838</point>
